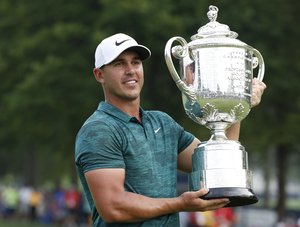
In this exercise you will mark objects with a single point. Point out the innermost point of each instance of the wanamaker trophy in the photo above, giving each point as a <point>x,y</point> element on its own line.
<point>216,73</point>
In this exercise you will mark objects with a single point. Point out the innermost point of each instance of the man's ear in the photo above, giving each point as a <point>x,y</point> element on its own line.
<point>98,75</point>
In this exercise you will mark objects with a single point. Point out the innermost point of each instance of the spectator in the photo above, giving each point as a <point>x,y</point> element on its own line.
<point>35,201</point>
<point>225,217</point>
<point>24,201</point>
<point>10,198</point>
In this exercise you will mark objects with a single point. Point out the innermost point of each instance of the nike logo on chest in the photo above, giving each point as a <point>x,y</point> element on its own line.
<point>156,130</point>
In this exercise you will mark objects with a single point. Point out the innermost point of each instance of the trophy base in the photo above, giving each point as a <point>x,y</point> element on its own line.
<point>222,166</point>
<point>237,196</point>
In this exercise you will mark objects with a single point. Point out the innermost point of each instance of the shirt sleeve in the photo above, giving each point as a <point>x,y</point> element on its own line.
<point>185,138</point>
<point>98,145</point>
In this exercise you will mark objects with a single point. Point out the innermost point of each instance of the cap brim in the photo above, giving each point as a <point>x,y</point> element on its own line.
<point>142,51</point>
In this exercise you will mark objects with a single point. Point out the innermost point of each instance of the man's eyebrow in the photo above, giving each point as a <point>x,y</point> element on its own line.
<point>117,60</point>
<point>123,59</point>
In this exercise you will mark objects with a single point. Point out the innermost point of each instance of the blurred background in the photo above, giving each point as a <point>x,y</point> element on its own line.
<point>47,90</point>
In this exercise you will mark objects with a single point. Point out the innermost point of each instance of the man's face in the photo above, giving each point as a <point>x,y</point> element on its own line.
<point>123,79</point>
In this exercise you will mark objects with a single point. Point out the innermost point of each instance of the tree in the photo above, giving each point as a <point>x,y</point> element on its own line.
<point>47,89</point>
<point>45,62</point>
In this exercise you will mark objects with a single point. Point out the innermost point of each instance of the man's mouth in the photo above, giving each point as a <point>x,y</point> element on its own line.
<point>130,82</point>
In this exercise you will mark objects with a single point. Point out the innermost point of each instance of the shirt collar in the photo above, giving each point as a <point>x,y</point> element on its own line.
<point>114,111</point>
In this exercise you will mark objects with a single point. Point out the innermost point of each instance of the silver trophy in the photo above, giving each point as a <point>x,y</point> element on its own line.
<point>216,72</point>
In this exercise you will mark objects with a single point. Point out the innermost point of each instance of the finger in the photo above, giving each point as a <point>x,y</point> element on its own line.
<point>216,203</point>
<point>263,85</point>
<point>255,81</point>
<point>255,100</point>
<point>201,192</point>
<point>257,92</point>
<point>204,191</point>
<point>216,206</point>
<point>211,202</point>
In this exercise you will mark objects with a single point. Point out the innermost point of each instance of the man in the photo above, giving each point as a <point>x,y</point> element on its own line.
<point>127,158</point>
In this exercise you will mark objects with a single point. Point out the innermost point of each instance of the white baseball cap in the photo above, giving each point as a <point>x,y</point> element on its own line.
<point>111,47</point>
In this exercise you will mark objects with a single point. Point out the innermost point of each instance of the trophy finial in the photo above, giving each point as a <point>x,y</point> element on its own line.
<point>212,14</point>
<point>214,28</point>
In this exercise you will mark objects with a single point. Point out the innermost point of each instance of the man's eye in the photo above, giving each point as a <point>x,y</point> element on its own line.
<point>118,63</point>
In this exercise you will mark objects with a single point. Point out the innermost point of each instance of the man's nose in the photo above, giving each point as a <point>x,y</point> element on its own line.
<point>129,68</point>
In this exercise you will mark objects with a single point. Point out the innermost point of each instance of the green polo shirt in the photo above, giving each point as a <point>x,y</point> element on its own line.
<point>147,151</point>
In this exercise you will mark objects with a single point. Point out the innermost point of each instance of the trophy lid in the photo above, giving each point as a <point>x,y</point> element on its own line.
<point>214,29</point>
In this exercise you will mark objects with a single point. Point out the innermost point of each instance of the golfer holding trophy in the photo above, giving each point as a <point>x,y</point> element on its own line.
<point>216,73</point>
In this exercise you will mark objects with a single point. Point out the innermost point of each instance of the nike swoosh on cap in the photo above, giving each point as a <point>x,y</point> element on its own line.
<point>119,43</point>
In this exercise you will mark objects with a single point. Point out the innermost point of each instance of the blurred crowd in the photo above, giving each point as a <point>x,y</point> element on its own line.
<point>62,206</point>
<point>224,217</point>
<point>68,207</point>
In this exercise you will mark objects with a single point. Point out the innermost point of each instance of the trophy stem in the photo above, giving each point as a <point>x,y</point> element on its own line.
<point>218,130</point>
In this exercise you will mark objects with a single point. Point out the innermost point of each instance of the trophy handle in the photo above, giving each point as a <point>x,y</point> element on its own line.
<point>258,60</point>
<point>178,52</point>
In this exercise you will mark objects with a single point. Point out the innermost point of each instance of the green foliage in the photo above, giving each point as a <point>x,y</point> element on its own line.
<point>47,54</point>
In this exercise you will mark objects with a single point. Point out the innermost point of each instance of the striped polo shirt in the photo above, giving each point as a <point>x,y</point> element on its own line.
<point>147,150</point>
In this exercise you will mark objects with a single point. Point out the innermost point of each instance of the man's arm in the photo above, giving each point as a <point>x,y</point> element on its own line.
<point>114,204</point>
<point>233,132</point>
<point>258,88</point>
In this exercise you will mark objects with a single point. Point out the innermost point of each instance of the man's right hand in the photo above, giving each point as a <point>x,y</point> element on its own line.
<point>192,201</point>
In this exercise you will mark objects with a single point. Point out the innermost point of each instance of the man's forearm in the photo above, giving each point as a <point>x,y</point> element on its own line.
<point>233,132</point>
<point>131,207</point>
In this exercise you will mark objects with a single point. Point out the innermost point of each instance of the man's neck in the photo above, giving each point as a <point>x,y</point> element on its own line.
<point>131,108</point>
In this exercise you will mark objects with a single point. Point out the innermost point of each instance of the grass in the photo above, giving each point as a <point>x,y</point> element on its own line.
<point>22,223</point>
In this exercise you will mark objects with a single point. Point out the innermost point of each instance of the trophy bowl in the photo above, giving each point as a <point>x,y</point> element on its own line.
<point>216,73</point>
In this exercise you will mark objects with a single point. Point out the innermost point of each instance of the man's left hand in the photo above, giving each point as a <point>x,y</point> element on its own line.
<point>258,88</point>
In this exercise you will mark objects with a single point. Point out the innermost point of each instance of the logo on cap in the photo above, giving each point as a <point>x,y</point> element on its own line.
<point>119,43</point>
